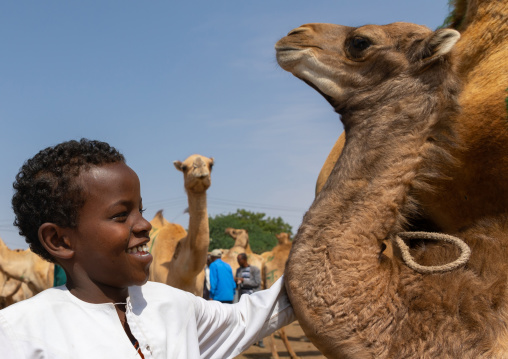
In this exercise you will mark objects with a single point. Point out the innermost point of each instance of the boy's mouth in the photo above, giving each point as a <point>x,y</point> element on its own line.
<point>141,250</point>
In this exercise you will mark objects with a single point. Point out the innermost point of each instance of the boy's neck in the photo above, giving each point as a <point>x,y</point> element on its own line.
<point>93,293</point>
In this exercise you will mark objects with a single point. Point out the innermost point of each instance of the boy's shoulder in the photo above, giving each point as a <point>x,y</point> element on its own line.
<point>40,302</point>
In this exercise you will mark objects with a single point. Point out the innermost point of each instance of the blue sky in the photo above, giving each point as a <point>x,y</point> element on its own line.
<point>162,80</point>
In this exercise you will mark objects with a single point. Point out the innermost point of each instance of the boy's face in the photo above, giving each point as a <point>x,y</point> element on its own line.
<point>110,228</point>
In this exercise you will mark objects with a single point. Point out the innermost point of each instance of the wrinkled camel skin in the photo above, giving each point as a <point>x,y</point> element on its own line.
<point>274,262</point>
<point>407,165</point>
<point>180,257</point>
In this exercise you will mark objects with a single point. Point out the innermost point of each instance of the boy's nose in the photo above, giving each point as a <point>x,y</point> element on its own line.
<point>142,225</point>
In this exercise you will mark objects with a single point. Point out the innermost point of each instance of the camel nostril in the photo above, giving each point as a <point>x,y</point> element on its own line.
<point>297,31</point>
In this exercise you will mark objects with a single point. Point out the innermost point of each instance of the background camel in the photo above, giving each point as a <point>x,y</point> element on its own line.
<point>26,267</point>
<point>180,257</point>
<point>407,165</point>
<point>274,262</point>
<point>241,237</point>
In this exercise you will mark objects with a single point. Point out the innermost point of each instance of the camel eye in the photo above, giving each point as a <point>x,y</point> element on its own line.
<point>360,43</point>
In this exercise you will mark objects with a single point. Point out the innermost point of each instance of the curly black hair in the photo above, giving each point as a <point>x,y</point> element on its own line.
<point>46,189</point>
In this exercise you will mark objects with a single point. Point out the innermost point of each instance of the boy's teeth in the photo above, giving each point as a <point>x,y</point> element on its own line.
<point>143,248</point>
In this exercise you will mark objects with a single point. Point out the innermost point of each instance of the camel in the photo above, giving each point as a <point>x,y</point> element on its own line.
<point>8,288</point>
<point>241,237</point>
<point>481,54</point>
<point>410,164</point>
<point>180,256</point>
<point>26,267</point>
<point>274,262</point>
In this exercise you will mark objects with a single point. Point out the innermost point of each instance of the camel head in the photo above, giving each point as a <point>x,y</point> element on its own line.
<point>283,238</point>
<point>241,236</point>
<point>345,64</point>
<point>197,171</point>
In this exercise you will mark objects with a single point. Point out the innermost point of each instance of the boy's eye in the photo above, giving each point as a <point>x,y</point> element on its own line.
<point>120,216</point>
<point>142,210</point>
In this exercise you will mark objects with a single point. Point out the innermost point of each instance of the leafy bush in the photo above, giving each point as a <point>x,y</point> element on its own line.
<point>261,230</point>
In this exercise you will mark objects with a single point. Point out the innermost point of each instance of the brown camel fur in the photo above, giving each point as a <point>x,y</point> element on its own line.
<point>274,262</point>
<point>26,267</point>
<point>406,160</point>
<point>481,54</point>
<point>180,257</point>
<point>241,237</point>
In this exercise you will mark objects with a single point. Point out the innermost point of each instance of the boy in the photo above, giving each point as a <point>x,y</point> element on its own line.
<point>79,205</point>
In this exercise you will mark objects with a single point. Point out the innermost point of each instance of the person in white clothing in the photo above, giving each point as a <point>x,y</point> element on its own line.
<point>79,205</point>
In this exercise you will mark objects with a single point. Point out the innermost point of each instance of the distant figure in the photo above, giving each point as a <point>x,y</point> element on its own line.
<point>206,285</point>
<point>60,278</point>
<point>248,279</point>
<point>222,283</point>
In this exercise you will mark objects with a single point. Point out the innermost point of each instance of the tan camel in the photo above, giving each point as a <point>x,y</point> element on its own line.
<point>27,267</point>
<point>180,257</point>
<point>274,262</point>
<point>8,288</point>
<point>481,54</point>
<point>408,164</point>
<point>241,237</point>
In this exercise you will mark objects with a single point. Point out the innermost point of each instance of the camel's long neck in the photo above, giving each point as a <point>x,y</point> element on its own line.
<point>364,202</point>
<point>198,234</point>
<point>242,241</point>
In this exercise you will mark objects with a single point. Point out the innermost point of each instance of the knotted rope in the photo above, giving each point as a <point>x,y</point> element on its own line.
<point>411,263</point>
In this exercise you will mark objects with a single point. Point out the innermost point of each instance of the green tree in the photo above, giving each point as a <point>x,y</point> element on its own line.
<point>262,230</point>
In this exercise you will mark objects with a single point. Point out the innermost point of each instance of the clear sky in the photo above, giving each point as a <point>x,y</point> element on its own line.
<point>161,80</point>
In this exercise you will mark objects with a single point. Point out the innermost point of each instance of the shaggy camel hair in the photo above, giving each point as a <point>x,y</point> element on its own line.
<point>274,262</point>
<point>180,257</point>
<point>402,168</point>
<point>481,54</point>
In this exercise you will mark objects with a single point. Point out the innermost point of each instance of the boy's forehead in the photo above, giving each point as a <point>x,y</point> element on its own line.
<point>108,176</point>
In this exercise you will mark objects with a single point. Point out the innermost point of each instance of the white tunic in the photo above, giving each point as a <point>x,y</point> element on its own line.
<point>167,322</point>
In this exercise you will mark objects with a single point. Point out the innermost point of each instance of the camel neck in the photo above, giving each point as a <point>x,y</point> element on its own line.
<point>198,230</point>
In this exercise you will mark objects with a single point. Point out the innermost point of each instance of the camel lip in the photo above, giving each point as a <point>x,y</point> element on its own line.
<point>286,48</point>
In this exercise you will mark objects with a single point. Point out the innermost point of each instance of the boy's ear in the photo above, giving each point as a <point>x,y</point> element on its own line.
<point>54,239</point>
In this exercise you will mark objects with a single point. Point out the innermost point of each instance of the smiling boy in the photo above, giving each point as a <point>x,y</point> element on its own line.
<point>79,205</point>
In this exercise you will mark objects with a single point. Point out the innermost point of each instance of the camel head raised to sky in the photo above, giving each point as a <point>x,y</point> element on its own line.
<point>338,61</point>
<point>241,236</point>
<point>283,238</point>
<point>402,169</point>
<point>196,170</point>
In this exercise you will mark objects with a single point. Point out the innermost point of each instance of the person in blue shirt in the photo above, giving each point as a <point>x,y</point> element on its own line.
<point>222,282</point>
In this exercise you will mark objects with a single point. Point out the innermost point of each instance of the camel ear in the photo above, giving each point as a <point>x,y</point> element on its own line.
<point>178,165</point>
<point>443,41</point>
<point>54,240</point>
<point>212,161</point>
<point>440,43</point>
